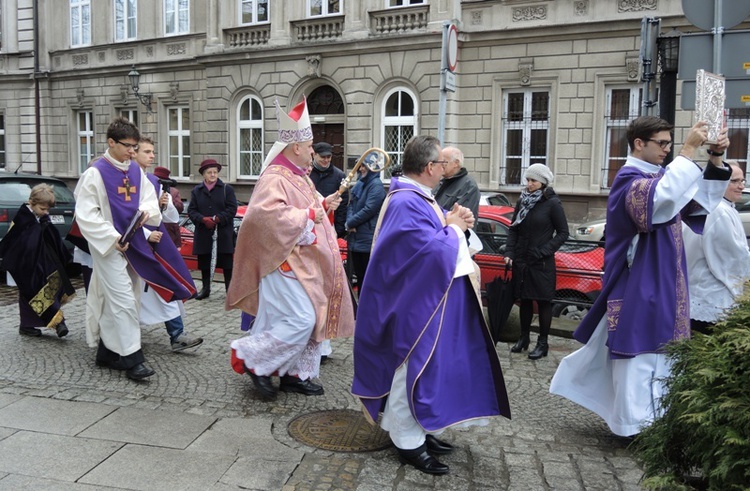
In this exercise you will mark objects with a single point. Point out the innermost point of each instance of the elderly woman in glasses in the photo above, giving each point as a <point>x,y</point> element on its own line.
<point>719,260</point>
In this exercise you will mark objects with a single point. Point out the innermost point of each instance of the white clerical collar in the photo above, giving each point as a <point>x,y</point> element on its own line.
<point>642,165</point>
<point>115,162</point>
<point>425,189</point>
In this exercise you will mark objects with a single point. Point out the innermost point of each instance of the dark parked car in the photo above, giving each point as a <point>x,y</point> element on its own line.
<point>14,191</point>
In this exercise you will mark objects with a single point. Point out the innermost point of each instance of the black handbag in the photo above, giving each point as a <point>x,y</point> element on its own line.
<point>500,299</point>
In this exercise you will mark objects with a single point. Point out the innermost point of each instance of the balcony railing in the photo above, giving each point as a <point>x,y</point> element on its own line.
<point>399,20</point>
<point>247,36</point>
<point>318,29</point>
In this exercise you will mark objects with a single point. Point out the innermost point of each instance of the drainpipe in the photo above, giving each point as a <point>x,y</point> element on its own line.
<point>37,92</point>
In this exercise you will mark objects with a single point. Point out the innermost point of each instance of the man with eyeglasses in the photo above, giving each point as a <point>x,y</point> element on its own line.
<point>644,303</point>
<point>422,351</point>
<point>718,261</point>
<point>457,186</point>
<point>109,195</point>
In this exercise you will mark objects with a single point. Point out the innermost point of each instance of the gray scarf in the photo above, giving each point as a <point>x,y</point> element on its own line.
<point>528,201</point>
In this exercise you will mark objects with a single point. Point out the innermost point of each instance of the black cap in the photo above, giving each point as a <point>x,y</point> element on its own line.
<point>323,149</point>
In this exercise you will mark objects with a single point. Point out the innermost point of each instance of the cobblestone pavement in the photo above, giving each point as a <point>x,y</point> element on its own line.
<point>549,444</point>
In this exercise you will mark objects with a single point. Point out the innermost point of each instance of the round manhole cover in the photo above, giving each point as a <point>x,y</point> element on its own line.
<point>339,430</point>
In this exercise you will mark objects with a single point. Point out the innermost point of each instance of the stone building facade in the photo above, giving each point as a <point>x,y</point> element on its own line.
<point>551,81</point>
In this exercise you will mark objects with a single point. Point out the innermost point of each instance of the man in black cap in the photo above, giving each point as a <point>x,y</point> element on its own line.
<point>327,179</point>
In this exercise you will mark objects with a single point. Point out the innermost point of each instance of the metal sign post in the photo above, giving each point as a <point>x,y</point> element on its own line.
<point>448,63</point>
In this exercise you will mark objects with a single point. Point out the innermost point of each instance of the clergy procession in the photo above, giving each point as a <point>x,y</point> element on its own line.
<point>423,357</point>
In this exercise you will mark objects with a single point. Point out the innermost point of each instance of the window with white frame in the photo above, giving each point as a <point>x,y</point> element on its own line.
<point>525,130</point>
<point>399,123</point>
<point>130,114</point>
<point>85,134</point>
<point>176,17</point>
<point>2,141</point>
<point>254,11</point>
<point>80,22</point>
<point>250,136</point>
<point>623,105</point>
<point>403,3</point>
<point>178,132</point>
<point>316,8</point>
<point>738,123</point>
<point>125,19</point>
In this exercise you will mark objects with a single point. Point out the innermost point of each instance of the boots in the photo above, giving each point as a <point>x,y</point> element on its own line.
<point>522,343</point>
<point>206,290</point>
<point>541,348</point>
<point>227,278</point>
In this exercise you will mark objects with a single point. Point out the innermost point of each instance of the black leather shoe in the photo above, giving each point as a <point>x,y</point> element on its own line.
<point>263,384</point>
<point>436,446</point>
<point>30,331</point>
<point>521,345</point>
<point>61,329</point>
<point>139,372</point>
<point>204,293</point>
<point>539,351</point>
<point>423,462</point>
<point>293,384</point>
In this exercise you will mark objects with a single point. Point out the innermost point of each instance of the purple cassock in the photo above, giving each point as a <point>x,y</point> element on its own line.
<point>646,304</point>
<point>412,307</point>
<point>160,265</point>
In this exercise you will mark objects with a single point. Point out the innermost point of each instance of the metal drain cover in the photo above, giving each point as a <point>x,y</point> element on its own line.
<point>339,430</point>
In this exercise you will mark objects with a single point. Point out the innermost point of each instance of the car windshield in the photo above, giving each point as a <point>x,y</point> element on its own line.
<point>19,191</point>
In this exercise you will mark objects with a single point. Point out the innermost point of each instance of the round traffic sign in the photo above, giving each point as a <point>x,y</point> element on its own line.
<point>452,47</point>
<point>701,12</point>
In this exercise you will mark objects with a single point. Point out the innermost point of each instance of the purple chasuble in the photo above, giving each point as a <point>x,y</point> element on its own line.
<point>411,306</point>
<point>647,303</point>
<point>123,193</point>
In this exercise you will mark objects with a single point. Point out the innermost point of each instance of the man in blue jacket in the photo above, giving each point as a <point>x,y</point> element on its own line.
<point>361,218</point>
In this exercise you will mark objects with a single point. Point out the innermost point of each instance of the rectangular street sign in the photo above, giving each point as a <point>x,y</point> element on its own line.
<point>735,91</point>
<point>697,51</point>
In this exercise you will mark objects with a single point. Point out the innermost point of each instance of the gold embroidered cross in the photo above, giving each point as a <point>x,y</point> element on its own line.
<point>126,188</point>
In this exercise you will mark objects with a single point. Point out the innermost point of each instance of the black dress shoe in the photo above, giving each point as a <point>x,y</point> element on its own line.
<point>263,384</point>
<point>139,372</point>
<point>294,384</point>
<point>61,329</point>
<point>30,331</point>
<point>422,461</point>
<point>436,446</point>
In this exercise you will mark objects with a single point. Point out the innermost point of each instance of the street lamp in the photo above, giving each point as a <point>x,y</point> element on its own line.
<point>135,78</point>
<point>669,57</point>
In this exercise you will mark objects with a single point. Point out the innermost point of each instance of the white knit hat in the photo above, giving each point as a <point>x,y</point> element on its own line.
<point>539,172</point>
<point>294,127</point>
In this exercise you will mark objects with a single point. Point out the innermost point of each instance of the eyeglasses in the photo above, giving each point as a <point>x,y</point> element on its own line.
<point>664,144</point>
<point>441,162</point>
<point>738,181</point>
<point>127,145</point>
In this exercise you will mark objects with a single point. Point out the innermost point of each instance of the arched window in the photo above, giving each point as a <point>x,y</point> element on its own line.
<point>399,123</point>
<point>250,136</point>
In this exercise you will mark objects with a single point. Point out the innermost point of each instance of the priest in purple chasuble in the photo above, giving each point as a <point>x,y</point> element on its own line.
<point>108,195</point>
<point>644,301</point>
<point>423,355</point>
<point>289,273</point>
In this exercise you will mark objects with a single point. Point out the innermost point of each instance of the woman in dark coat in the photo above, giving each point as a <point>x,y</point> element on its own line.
<point>212,208</point>
<point>367,198</point>
<point>33,253</point>
<point>538,230</point>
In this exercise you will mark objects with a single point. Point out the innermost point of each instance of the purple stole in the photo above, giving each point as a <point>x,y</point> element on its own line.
<point>646,305</point>
<point>123,192</point>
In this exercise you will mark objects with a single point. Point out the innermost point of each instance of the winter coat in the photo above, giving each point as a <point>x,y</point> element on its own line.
<point>367,198</point>
<point>461,189</point>
<point>532,245</point>
<point>327,182</point>
<point>221,202</point>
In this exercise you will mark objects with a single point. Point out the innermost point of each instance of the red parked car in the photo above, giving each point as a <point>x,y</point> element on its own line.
<point>187,227</point>
<point>580,265</point>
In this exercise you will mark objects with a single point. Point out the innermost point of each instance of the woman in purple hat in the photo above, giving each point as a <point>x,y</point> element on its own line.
<point>212,208</point>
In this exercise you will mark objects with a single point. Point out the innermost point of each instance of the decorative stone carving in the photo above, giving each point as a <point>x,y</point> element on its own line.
<point>524,72</point>
<point>581,7</point>
<point>477,17</point>
<point>101,55</point>
<point>174,90</point>
<point>633,67</point>
<point>313,65</point>
<point>79,97</point>
<point>176,49</point>
<point>635,5</point>
<point>81,59</point>
<point>521,14</point>
<point>57,61</point>
<point>149,51</point>
<point>124,94</point>
<point>125,54</point>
